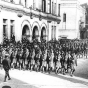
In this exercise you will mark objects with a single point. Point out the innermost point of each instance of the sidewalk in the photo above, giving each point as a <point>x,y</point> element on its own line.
<point>41,80</point>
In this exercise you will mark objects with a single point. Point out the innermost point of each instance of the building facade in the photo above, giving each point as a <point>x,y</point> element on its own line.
<point>85,31</point>
<point>33,19</point>
<point>72,19</point>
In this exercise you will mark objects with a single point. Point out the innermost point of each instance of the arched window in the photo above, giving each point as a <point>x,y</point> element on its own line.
<point>43,33</point>
<point>35,33</point>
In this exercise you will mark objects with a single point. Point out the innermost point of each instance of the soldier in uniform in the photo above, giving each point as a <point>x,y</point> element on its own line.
<point>29,59</point>
<point>51,61</point>
<point>40,61</point>
<point>44,63</point>
<point>62,60</point>
<point>6,66</point>
<point>48,60</point>
<point>58,64</point>
<point>32,60</point>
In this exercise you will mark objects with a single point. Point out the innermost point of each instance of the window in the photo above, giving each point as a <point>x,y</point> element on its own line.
<point>64,17</point>
<point>4,30</point>
<point>58,9</point>
<point>43,6</point>
<point>7,0</point>
<point>52,7</point>
<point>34,5</point>
<point>25,3</point>
<point>49,6</point>
<point>11,29</point>
<point>20,2</point>
<point>5,26</point>
<point>54,32</point>
<point>11,1</point>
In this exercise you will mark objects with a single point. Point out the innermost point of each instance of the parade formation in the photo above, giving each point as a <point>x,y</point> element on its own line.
<point>52,56</point>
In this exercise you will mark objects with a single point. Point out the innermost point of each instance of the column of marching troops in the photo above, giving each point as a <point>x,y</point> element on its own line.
<point>52,56</point>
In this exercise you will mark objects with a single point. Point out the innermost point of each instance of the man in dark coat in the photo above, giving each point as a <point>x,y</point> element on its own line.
<point>6,66</point>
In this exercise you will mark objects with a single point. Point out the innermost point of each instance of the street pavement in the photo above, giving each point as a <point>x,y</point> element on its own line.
<point>82,68</point>
<point>27,79</point>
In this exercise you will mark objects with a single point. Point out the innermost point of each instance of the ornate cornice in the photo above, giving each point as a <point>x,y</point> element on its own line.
<point>66,30</point>
<point>27,11</point>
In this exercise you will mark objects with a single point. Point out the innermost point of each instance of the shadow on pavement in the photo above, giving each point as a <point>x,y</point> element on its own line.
<point>6,87</point>
<point>71,79</point>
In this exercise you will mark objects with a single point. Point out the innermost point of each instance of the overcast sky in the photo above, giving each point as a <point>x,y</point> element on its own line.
<point>83,1</point>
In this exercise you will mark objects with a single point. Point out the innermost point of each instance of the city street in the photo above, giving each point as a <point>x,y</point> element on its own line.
<point>37,32</point>
<point>27,79</point>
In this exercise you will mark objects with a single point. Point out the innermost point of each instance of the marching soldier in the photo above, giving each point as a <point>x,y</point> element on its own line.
<point>51,62</point>
<point>58,64</point>
<point>32,60</point>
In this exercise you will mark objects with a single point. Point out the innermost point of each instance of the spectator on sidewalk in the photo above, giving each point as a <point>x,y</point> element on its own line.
<point>6,66</point>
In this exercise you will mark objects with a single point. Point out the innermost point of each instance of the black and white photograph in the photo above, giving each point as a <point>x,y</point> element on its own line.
<point>43,43</point>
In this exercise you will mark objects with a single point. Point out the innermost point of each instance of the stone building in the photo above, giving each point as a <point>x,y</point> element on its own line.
<point>33,19</point>
<point>72,19</point>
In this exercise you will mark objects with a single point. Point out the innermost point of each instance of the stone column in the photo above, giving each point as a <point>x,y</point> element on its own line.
<point>47,31</point>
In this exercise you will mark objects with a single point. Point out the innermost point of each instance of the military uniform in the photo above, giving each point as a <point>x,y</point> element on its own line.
<point>6,66</point>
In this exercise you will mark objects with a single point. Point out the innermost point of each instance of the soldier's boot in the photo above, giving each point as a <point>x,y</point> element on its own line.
<point>43,69</point>
<point>31,67</point>
<point>49,70</point>
<point>61,70</point>
<point>5,78</point>
<point>64,71</point>
<point>9,77</point>
<point>71,73</point>
<point>37,68</point>
<point>73,70</point>
<point>20,67</point>
<point>56,71</point>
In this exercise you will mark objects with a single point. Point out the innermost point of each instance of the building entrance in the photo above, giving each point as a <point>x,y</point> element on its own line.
<point>26,32</point>
<point>35,34</point>
<point>43,33</point>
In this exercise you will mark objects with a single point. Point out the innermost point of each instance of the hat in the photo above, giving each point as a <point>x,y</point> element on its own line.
<point>7,55</point>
